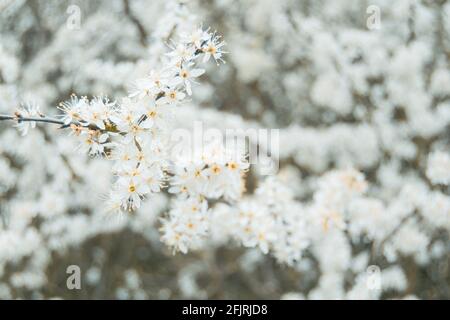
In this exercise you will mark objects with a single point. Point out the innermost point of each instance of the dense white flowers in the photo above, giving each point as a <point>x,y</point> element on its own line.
<point>364,152</point>
<point>438,168</point>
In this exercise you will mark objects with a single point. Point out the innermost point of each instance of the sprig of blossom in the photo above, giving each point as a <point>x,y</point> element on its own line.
<point>134,134</point>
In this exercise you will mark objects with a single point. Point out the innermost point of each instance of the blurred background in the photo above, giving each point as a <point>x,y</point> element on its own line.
<point>349,83</point>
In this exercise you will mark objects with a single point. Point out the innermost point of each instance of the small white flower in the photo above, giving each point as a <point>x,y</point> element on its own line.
<point>72,109</point>
<point>28,110</point>
<point>187,76</point>
<point>196,37</point>
<point>172,97</point>
<point>131,190</point>
<point>97,112</point>
<point>213,48</point>
<point>93,142</point>
<point>181,53</point>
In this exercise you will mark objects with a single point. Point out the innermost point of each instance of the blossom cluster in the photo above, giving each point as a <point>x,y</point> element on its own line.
<point>135,134</point>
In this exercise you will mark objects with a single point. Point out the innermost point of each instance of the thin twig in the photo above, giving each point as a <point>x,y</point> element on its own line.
<point>62,124</point>
<point>35,119</point>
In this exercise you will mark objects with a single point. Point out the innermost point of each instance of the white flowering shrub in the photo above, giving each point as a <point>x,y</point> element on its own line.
<point>100,166</point>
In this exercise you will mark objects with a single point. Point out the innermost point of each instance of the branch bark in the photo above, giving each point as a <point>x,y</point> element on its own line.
<point>35,119</point>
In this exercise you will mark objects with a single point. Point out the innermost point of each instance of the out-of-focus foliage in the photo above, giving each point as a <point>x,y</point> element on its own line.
<point>360,207</point>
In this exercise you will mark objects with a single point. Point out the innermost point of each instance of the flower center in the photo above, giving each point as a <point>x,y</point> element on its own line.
<point>232,165</point>
<point>184,74</point>
<point>216,169</point>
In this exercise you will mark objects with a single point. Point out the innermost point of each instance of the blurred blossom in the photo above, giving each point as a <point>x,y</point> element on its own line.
<point>99,103</point>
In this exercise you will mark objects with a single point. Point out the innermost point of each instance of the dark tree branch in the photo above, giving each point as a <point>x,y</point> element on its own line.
<point>19,118</point>
<point>136,22</point>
